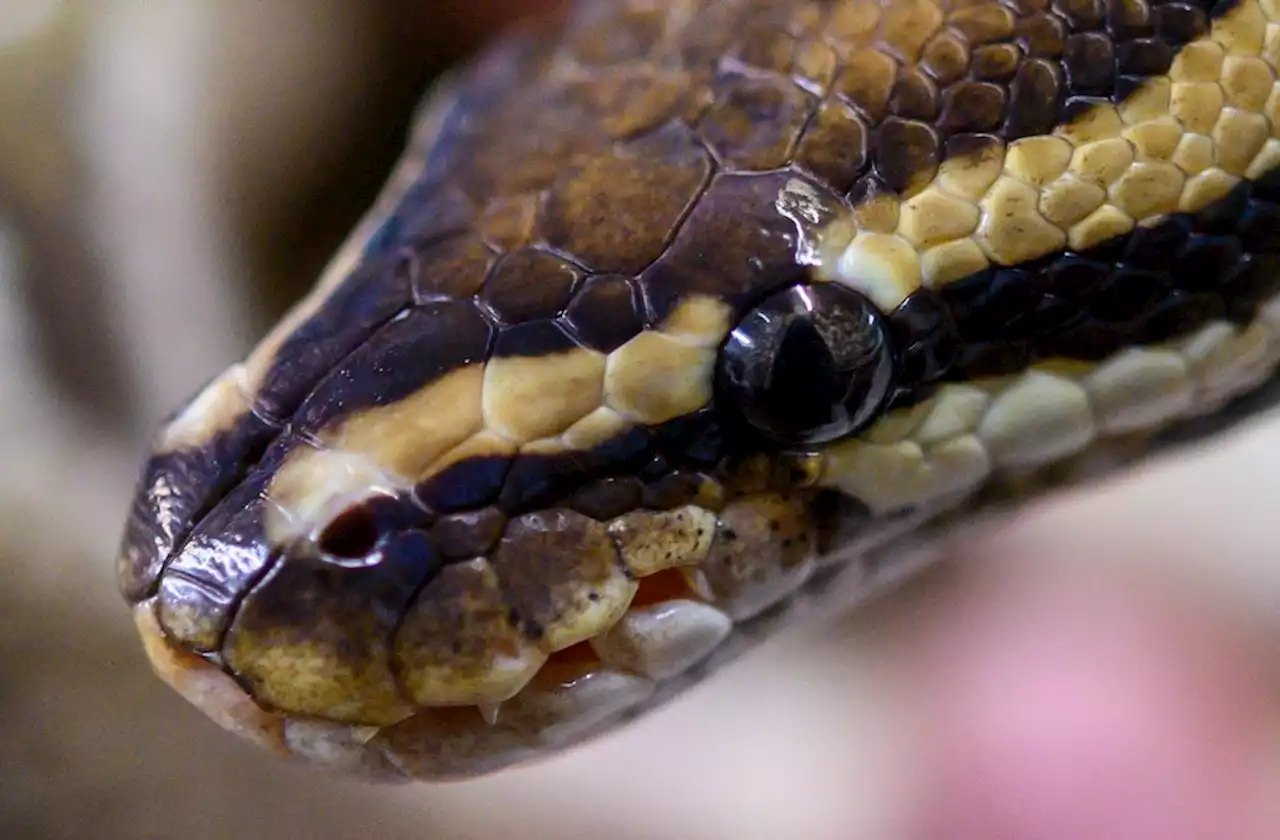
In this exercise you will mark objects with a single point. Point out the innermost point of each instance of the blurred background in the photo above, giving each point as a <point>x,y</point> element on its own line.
<point>172,175</point>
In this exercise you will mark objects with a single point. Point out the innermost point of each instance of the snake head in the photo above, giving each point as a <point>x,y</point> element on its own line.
<point>643,351</point>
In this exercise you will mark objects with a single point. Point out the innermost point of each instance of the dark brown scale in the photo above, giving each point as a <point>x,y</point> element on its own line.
<point>1033,99</point>
<point>608,497</point>
<point>529,284</point>
<point>536,338</point>
<point>1257,279</point>
<point>914,97</point>
<point>1153,248</point>
<point>430,212</point>
<point>1144,57</point>
<point>1176,310</point>
<point>1260,226</point>
<point>1041,36</point>
<point>615,210</point>
<point>755,122</point>
<point>1127,19</point>
<point>905,154</point>
<point>972,107</point>
<point>946,57</point>
<point>992,358</point>
<point>1089,62</point>
<point>924,330</point>
<point>536,481</point>
<point>995,62</point>
<point>375,293</point>
<point>190,483</point>
<point>544,559</point>
<point>1204,261</point>
<point>452,269</point>
<point>605,313</point>
<point>1126,294</point>
<point>867,82</point>
<point>834,146</point>
<point>470,534</point>
<point>1226,214</point>
<point>734,246</point>
<point>693,439</point>
<point>468,484</point>
<point>1180,23</point>
<point>1081,14</point>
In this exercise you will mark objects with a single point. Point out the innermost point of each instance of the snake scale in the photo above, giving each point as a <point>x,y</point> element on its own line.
<point>676,317</point>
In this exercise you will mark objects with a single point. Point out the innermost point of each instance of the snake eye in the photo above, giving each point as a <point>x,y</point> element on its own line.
<point>809,364</point>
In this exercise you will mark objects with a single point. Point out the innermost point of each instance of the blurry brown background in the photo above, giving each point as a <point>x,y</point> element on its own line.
<point>171,176</point>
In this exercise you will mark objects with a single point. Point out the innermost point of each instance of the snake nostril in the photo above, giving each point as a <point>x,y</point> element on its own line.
<point>353,534</point>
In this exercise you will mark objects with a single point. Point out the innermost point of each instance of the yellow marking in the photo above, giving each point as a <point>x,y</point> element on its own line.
<point>223,402</point>
<point>699,320</point>
<point>654,378</point>
<point>406,437</point>
<point>596,428</point>
<point>526,398</point>
<point>486,444</point>
<point>315,678</point>
<point>883,267</point>
<point>313,486</point>
<point>374,450</point>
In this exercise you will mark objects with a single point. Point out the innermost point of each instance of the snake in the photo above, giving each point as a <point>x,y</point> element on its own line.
<point>677,320</point>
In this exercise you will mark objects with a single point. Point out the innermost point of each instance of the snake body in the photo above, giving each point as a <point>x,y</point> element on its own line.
<point>674,317</point>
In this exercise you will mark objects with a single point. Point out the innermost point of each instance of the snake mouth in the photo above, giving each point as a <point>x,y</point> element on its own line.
<point>683,615</point>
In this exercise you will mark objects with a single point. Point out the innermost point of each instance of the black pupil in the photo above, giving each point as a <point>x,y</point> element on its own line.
<point>809,364</point>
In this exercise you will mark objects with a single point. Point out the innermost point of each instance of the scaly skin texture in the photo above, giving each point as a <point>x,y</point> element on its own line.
<point>479,496</point>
